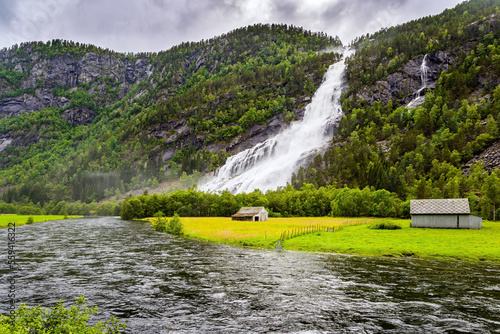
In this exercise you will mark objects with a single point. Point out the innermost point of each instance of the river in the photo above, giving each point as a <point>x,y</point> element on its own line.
<point>158,283</point>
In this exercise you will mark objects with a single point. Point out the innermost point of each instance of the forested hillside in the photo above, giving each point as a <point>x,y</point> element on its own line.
<point>82,123</point>
<point>422,152</point>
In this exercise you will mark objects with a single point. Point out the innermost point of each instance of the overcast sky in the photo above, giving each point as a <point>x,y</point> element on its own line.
<point>154,25</point>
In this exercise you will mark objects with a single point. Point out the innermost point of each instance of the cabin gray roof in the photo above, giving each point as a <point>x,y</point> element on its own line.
<point>449,206</point>
<point>249,211</point>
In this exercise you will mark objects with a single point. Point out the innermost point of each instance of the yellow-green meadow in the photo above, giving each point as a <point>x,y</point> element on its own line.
<point>352,236</point>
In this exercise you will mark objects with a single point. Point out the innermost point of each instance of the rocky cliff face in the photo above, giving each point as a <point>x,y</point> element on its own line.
<point>42,75</point>
<point>178,131</point>
<point>68,71</point>
<point>490,158</point>
<point>403,84</point>
<point>79,116</point>
<point>42,98</point>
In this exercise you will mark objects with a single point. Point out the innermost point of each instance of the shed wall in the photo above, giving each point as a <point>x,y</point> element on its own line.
<point>248,218</point>
<point>263,216</point>
<point>434,221</point>
<point>471,221</point>
<point>476,222</point>
<point>446,221</point>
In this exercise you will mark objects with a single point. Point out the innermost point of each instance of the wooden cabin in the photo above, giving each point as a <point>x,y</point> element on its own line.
<point>247,213</point>
<point>443,213</point>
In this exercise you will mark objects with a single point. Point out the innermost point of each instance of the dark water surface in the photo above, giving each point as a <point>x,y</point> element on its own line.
<point>162,284</point>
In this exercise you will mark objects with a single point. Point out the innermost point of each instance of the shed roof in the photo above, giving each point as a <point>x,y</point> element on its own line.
<point>247,211</point>
<point>448,206</point>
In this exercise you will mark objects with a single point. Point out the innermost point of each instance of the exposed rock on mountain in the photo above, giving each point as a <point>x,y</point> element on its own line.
<point>42,98</point>
<point>5,141</point>
<point>490,158</point>
<point>404,83</point>
<point>79,116</point>
<point>66,71</point>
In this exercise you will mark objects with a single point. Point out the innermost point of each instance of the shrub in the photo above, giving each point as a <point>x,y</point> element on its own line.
<point>159,214</point>
<point>57,320</point>
<point>160,224</point>
<point>30,220</point>
<point>385,226</point>
<point>172,226</point>
<point>175,226</point>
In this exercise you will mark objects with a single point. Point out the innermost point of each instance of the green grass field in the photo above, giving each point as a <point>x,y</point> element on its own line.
<point>21,219</point>
<point>353,236</point>
<point>418,242</point>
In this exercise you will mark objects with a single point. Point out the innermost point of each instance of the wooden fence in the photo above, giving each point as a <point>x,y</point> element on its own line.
<point>305,230</point>
<point>296,232</point>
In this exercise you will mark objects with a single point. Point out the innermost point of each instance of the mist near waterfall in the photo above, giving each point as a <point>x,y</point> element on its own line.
<point>271,164</point>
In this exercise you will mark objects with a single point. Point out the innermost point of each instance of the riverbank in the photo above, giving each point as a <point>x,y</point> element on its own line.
<point>352,236</point>
<point>22,219</point>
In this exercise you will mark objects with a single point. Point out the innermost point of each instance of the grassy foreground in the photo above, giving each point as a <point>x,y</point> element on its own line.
<point>21,219</point>
<point>353,236</point>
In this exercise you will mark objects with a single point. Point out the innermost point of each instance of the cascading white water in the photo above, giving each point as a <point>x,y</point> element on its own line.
<point>418,97</point>
<point>423,72</point>
<point>270,164</point>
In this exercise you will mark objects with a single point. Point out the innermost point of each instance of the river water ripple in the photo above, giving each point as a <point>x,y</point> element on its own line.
<point>157,283</point>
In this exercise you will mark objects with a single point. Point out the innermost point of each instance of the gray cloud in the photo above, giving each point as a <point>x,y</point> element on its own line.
<point>5,14</point>
<point>154,25</point>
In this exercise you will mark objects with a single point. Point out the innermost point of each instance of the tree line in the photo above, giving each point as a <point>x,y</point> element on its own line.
<point>308,201</point>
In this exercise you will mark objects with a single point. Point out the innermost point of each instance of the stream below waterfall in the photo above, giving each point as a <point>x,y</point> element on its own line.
<point>157,283</point>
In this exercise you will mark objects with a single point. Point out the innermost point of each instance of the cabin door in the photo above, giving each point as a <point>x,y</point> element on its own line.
<point>256,218</point>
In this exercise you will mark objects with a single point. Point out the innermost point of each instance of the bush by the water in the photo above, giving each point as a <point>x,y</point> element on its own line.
<point>385,226</point>
<point>173,226</point>
<point>160,224</point>
<point>30,220</point>
<point>57,320</point>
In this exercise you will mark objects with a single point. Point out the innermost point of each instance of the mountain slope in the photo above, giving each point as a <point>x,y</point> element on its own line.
<point>422,106</point>
<point>86,123</point>
<point>419,152</point>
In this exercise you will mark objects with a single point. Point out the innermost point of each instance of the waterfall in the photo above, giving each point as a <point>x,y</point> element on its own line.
<point>270,164</point>
<point>423,72</point>
<point>419,95</point>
